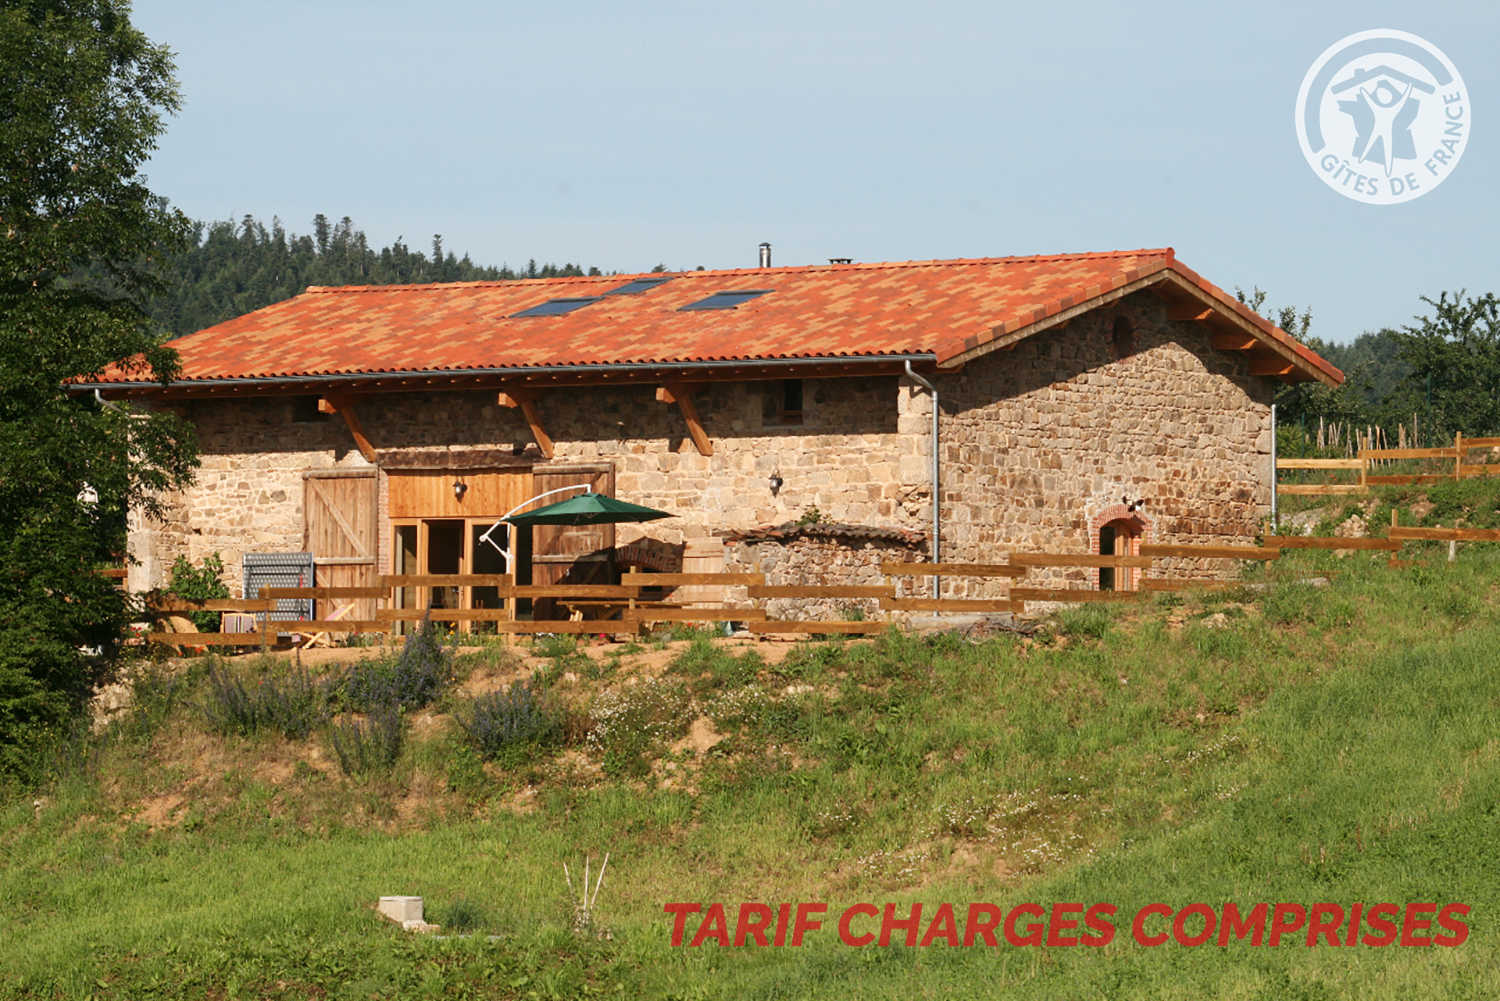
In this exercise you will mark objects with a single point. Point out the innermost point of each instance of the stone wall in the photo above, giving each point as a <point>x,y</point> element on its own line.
<point>821,555</point>
<point>1038,442</point>
<point>247,496</point>
<point>847,456</point>
<point>1041,442</point>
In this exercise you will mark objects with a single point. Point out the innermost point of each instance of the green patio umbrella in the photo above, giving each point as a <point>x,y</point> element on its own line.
<point>587,509</point>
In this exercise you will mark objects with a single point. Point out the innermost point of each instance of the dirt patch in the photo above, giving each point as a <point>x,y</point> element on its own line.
<point>575,767</point>
<point>701,737</point>
<point>522,801</point>
<point>427,724</point>
<point>160,812</point>
<point>492,678</point>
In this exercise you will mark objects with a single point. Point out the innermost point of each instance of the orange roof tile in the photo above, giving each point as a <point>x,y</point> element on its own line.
<point>937,308</point>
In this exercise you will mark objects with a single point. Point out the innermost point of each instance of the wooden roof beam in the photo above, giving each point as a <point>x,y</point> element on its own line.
<point>1271,365</point>
<point>344,407</point>
<point>1235,342</point>
<point>1189,311</point>
<point>682,395</point>
<point>525,399</point>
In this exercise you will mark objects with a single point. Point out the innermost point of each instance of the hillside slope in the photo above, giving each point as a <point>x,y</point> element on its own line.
<point>1283,743</point>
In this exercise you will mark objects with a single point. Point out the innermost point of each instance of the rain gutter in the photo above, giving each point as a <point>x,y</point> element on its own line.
<point>514,371</point>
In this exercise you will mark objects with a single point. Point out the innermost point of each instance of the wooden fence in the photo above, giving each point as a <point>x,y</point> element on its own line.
<point>1369,461</point>
<point>636,602</point>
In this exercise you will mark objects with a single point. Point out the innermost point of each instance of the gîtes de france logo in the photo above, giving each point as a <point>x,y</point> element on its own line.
<point>1383,116</point>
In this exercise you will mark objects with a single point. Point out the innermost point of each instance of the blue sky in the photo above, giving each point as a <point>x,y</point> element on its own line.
<point>621,136</point>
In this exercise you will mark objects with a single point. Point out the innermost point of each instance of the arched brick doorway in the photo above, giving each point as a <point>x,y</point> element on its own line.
<point>1118,531</point>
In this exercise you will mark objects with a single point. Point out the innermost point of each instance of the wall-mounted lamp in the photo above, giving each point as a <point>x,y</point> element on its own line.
<point>775,481</point>
<point>1133,505</point>
<point>459,489</point>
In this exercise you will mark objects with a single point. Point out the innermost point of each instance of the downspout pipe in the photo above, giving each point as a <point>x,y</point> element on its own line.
<point>1274,526</point>
<point>937,497</point>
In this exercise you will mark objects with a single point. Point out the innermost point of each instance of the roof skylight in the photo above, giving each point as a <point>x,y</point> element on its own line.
<point>556,307</point>
<point>637,286</point>
<point>724,300</point>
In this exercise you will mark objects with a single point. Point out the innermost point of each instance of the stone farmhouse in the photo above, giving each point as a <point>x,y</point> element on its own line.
<point>809,421</point>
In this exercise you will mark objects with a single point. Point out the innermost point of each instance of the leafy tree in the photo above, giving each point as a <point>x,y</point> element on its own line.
<point>81,98</point>
<point>1453,360</point>
<point>1299,402</point>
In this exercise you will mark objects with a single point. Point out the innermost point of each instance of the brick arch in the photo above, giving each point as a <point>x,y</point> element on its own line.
<point>1120,512</point>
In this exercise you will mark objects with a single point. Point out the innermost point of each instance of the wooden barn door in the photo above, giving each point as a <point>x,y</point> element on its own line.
<point>571,554</point>
<point>339,530</point>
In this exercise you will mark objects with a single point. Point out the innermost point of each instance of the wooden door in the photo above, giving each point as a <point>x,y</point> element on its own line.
<point>571,554</point>
<point>339,530</point>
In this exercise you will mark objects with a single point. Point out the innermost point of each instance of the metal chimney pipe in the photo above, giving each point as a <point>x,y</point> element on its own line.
<point>765,255</point>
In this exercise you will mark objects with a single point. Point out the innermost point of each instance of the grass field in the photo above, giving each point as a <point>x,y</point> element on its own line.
<point>1293,743</point>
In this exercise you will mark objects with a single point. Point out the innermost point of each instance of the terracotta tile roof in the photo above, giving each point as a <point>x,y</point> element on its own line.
<point>939,308</point>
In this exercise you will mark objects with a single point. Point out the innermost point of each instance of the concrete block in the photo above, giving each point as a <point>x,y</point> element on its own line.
<point>401,909</point>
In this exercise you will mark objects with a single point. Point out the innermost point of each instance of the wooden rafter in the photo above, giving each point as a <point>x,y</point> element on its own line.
<point>344,407</point>
<point>1270,365</point>
<point>682,395</point>
<point>1235,342</point>
<point>1190,311</point>
<point>526,401</point>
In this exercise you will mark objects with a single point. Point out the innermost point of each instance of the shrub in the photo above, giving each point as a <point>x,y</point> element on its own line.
<point>200,584</point>
<point>369,746</point>
<point>412,679</point>
<point>292,706</point>
<point>628,723</point>
<point>510,725</point>
<point>555,647</point>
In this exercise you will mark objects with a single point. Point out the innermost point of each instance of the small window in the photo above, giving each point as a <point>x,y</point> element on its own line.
<point>724,300</point>
<point>556,307</point>
<point>791,400</point>
<point>637,286</point>
<point>305,410</point>
<point>783,402</point>
<point>1122,338</point>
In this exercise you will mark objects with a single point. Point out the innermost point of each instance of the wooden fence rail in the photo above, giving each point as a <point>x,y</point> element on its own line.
<point>1446,534</point>
<point>1456,456</point>
<point>179,605</point>
<point>821,591</point>
<point>953,604</point>
<point>1210,552</point>
<point>1078,560</point>
<point>638,579</point>
<point>624,598</point>
<point>1317,542</point>
<point>952,570</point>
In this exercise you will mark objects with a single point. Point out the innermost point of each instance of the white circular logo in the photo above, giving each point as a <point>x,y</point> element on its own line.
<point>1383,116</point>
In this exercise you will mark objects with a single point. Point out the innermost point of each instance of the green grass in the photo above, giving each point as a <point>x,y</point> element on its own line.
<point>1317,744</point>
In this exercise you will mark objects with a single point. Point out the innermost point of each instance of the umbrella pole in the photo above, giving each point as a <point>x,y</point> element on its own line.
<point>586,488</point>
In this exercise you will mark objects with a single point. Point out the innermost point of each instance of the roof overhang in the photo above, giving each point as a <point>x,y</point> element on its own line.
<point>523,377</point>
<point>1232,326</point>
